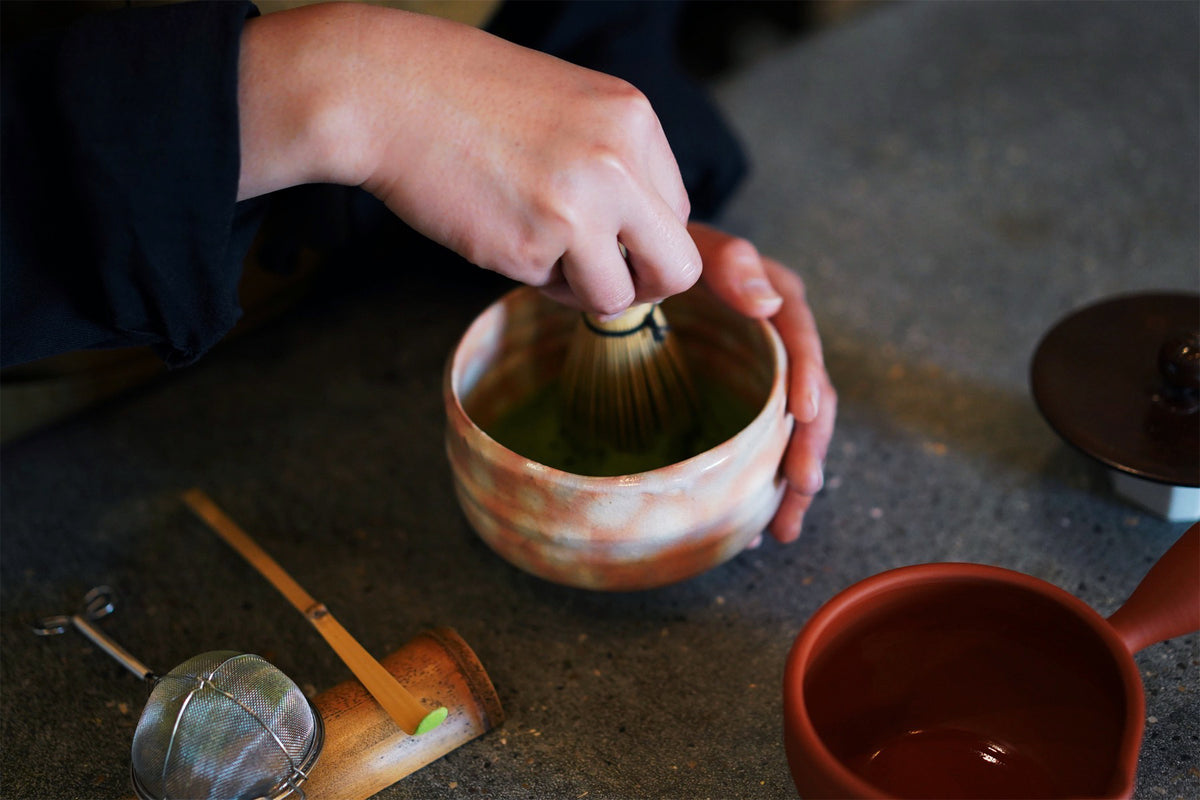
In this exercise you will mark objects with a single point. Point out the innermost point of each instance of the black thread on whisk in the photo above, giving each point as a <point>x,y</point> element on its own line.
<point>659,332</point>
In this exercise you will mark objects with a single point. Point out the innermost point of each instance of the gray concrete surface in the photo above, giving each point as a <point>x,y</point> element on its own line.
<point>949,178</point>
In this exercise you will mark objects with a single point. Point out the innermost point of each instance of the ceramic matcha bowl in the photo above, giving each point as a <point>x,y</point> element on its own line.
<point>646,520</point>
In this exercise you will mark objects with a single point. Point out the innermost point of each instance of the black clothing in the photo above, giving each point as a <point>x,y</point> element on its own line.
<point>120,172</point>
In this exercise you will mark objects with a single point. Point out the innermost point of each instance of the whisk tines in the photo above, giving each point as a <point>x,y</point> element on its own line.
<point>625,381</point>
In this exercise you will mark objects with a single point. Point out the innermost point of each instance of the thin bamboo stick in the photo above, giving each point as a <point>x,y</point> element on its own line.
<point>401,706</point>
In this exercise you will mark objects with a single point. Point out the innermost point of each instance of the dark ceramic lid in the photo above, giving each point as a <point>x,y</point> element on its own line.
<point>1120,380</point>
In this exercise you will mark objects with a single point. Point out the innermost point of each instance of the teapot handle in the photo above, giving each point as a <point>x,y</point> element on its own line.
<point>1167,601</point>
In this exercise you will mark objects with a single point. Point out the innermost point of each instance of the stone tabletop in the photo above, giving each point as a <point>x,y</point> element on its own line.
<point>950,179</point>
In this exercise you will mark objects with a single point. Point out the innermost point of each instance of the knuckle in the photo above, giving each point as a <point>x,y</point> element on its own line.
<point>610,167</point>
<point>660,283</point>
<point>683,207</point>
<point>528,256</point>
<point>689,272</point>
<point>790,284</point>
<point>800,288</point>
<point>609,305</point>
<point>624,118</point>
<point>562,202</point>
<point>627,102</point>
<point>737,250</point>
<point>474,250</point>
<point>605,300</point>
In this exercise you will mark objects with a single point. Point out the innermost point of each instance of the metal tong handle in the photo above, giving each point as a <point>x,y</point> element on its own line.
<point>97,604</point>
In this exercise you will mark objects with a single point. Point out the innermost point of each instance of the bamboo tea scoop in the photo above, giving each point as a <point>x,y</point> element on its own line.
<point>400,705</point>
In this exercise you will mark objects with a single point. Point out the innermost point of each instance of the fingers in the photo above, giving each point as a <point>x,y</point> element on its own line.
<point>663,170</point>
<point>598,277</point>
<point>804,461</point>
<point>808,381</point>
<point>761,287</point>
<point>662,257</point>
<point>630,192</point>
<point>785,526</point>
<point>811,398</point>
<point>652,204</point>
<point>734,271</point>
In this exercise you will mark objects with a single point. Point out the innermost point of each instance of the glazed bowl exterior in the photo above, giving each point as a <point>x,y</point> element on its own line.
<point>626,532</point>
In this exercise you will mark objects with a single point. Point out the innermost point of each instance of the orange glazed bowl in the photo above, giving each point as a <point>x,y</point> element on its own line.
<point>626,530</point>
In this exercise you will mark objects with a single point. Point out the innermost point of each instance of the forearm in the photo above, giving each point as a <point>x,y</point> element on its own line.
<point>323,89</point>
<point>296,106</point>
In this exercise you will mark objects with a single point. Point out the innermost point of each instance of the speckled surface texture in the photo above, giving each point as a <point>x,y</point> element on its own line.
<point>950,178</point>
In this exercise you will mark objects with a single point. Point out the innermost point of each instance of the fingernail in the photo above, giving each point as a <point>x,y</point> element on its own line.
<point>761,291</point>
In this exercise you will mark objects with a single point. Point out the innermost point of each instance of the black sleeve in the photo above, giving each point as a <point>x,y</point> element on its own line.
<point>118,216</point>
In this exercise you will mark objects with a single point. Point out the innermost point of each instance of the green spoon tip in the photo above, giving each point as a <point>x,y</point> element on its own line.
<point>432,720</point>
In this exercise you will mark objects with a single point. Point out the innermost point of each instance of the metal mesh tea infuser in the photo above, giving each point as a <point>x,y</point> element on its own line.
<point>222,724</point>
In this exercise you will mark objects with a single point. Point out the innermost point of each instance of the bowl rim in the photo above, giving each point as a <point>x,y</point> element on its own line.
<point>667,474</point>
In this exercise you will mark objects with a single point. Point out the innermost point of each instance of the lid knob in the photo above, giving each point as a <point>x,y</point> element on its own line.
<point>1120,380</point>
<point>1179,365</point>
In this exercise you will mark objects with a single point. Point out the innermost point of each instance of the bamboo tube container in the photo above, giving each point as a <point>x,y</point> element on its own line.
<point>365,752</point>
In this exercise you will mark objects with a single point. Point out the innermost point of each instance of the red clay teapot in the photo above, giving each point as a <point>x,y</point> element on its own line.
<point>972,681</point>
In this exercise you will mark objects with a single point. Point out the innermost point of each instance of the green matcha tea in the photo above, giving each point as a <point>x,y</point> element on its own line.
<point>535,429</point>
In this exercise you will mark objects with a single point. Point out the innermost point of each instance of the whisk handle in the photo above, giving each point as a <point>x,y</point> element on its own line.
<point>628,322</point>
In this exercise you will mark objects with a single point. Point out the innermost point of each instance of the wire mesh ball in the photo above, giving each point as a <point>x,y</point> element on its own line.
<point>224,725</point>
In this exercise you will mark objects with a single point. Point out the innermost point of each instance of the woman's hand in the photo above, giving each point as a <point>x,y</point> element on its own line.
<point>762,288</point>
<point>518,161</point>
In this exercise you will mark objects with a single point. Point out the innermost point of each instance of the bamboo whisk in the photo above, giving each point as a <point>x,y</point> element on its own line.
<point>625,381</point>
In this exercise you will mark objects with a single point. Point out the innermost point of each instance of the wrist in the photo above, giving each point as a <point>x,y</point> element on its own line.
<point>299,118</point>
